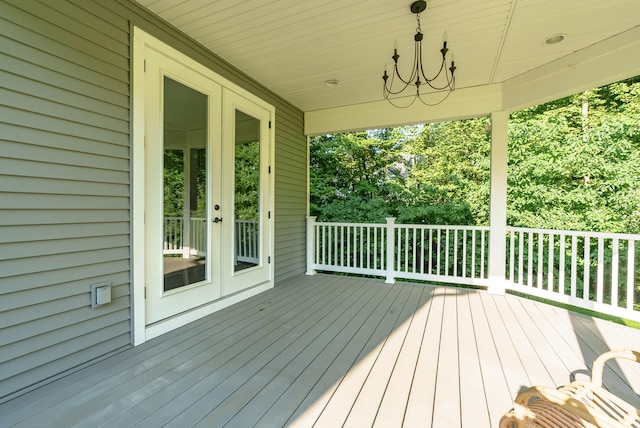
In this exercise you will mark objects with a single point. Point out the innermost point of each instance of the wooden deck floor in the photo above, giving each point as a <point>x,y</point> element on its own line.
<point>332,351</point>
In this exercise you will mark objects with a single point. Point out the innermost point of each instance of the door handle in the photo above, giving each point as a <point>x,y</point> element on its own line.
<point>217,220</point>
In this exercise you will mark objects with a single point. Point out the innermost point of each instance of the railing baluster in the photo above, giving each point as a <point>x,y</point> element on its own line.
<point>464,253</point>
<point>473,253</point>
<point>540,257</point>
<point>351,246</point>
<point>631,262</point>
<point>406,248</point>
<point>574,266</point>
<point>561,273</point>
<point>361,255</point>
<point>375,247</point>
<point>334,246</point>
<point>530,260</point>
<point>430,270</point>
<point>400,243</point>
<point>438,272</point>
<point>521,258</point>
<point>446,252</point>
<point>600,284</point>
<point>614,271</point>
<point>455,252</point>
<point>421,250</point>
<point>415,245</point>
<point>587,263</point>
<point>512,253</point>
<point>368,229</point>
<point>550,263</point>
<point>482,253</point>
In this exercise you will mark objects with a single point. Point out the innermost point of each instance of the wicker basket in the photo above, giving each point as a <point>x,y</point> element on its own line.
<point>579,404</point>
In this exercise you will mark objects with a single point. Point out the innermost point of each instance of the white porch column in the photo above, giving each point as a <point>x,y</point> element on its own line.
<point>498,202</point>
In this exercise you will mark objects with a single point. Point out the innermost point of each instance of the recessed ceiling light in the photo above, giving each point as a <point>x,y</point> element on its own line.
<point>331,82</point>
<point>555,39</point>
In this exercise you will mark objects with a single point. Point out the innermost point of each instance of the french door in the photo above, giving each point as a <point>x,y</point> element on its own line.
<point>246,171</point>
<point>207,218</point>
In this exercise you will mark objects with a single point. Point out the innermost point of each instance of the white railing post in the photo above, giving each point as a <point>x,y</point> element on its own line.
<point>391,246</point>
<point>311,221</point>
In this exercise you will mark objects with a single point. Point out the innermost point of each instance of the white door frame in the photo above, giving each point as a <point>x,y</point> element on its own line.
<point>140,331</point>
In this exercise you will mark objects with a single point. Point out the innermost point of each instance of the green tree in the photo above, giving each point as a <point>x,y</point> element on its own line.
<point>429,174</point>
<point>353,175</point>
<point>448,176</point>
<point>247,180</point>
<point>573,163</point>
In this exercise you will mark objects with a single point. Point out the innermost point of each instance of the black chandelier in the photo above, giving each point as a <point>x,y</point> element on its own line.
<point>446,78</point>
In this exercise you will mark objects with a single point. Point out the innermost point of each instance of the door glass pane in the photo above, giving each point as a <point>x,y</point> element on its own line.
<point>247,191</point>
<point>185,185</point>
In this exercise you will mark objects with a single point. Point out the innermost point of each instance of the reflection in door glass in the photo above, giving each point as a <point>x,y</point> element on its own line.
<point>247,191</point>
<point>185,185</point>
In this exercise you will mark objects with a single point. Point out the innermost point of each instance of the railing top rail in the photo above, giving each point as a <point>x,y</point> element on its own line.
<point>441,226</point>
<point>335,223</point>
<point>606,235</point>
<point>182,218</point>
<point>400,225</point>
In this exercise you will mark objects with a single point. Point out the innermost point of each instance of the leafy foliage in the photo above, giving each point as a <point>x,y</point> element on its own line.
<point>573,165</point>
<point>247,180</point>
<point>430,174</point>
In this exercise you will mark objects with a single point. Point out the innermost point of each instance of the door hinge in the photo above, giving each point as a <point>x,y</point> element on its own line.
<point>269,124</point>
<point>269,214</point>
<point>145,292</point>
<point>269,259</point>
<point>145,65</point>
<point>269,169</point>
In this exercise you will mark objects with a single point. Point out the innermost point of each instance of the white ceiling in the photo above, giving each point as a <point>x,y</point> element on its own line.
<point>294,46</point>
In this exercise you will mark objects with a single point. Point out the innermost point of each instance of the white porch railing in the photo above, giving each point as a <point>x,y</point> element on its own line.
<point>247,241</point>
<point>544,263</point>
<point>174,237</point>
<point>455,254</point>
<point>246,235</point>
<point>591,270</point>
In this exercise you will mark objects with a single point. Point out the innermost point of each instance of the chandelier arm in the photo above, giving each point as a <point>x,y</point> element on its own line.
<point>442,66</point>
<point>388,88</point>
<point>451,83</point>
<point>391,101</point>
<point>414,71</point>
<point>435,104</point>
<point>397,73</point>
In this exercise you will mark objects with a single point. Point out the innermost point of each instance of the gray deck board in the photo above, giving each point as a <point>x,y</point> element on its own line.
<point>473,400</point>
<point>330,351</point>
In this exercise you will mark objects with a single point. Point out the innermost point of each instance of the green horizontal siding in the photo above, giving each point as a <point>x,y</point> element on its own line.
<point>65,179</point>
<point>64,189</point>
